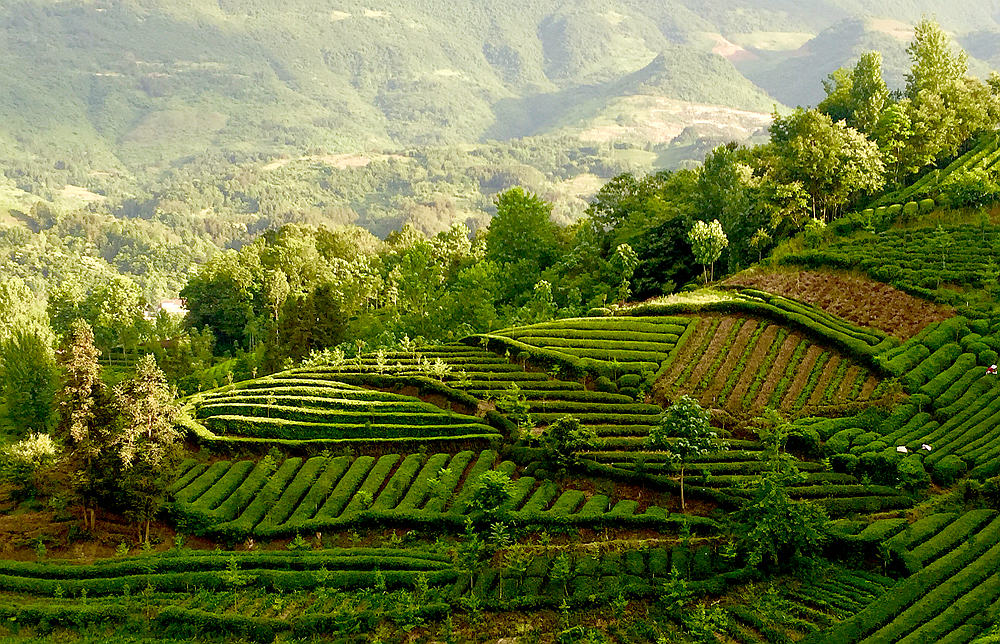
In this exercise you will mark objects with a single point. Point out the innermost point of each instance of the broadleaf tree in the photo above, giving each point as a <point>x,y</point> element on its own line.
<point>707,240</point>
<point>684,432</point>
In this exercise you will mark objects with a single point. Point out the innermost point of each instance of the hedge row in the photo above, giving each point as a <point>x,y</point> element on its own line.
<point>925,594</point>
<point>320,493</point>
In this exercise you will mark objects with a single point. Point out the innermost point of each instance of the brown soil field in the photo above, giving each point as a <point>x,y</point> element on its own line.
<point>847,384</point>
<point>753,366</point>
<point>816,397</point>
<point>718,340</point>
<point>801,376</point>
<point>777,371</point>
<point>733,355</point>
<point>853,297</point>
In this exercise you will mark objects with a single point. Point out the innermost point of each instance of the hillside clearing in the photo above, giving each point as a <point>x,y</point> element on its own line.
<point>848,295</point>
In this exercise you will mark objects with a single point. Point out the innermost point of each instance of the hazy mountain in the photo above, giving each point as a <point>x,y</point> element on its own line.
<point>112,83</point>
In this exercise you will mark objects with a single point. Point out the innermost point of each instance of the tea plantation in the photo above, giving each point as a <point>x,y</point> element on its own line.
<point>434,490</point>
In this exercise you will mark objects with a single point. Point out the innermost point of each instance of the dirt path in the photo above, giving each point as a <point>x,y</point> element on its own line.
<point>776,370</point>
<point>866,390</point>
<point>753,367</point>
<point>688,351</point>
<point>801,376</point>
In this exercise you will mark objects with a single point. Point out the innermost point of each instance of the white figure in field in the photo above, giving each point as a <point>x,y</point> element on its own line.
<point>902,450</point>
<point>991,370</point>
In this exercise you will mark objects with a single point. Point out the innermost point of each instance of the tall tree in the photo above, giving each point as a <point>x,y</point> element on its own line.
<point>838,104</point>
<point>834,163</point>
<point>522,239</point>
<point>707,240</point>
<point>869,95</point>
<point>684,433</point>
<point>28,376</point>
<point>935,64</point>
<point>145,439</point>
<point>82,418</point>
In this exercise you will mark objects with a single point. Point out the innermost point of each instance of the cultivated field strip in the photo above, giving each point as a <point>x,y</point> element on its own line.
<point>916,260</point>
<point>953,595</point>
<point>805,608</point>
<point>340,590</point>
<point>306,405</point>
<point>305,495</point>
<point>616,345</point>
<point>736,470</point>
<point>744,364</point>
<point>487,376</point>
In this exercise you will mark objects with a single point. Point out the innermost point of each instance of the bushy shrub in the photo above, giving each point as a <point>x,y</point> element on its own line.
<point>840,442</point>
<point>912,475</point>
<point>25,464</point>
<point>880,468</point>
<point>927,205</point>
<point>844,463</point>
<point>804,440</point>
<point>604,384</point>
<point>630,380</point>
<point>910,210</point>
<point>970,187</point>
<point>948,470</point>
<point>813,232</point>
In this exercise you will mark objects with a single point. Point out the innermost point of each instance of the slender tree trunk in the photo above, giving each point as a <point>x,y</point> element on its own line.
<point>683,505</point>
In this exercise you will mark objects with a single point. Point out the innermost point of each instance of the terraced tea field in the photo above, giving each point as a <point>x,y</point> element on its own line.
<point>743,364</point>
<point>313,407</point>
<point>237,499</point>
<point>953,594</point>
<point>792,613</point>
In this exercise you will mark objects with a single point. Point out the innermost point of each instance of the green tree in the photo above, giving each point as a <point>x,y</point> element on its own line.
<point>935,65</point>
<point>624,261</point>
<point>83,417</point>
<point>28,376</point>
<point>834,163</point>
<point>522,240</point>
<point>684,432</point>
<point>565,437</point>
<point>760,241</point>
<point>707,240</point>
<point>493,489</point>
<point>145,439</point>
<point>778,533</point>
<point>857,96</point>
<point>869,94</point>
<point>223,295</point>
<point>838,104</point>
<point>726,191</point>
<point>892,133</point>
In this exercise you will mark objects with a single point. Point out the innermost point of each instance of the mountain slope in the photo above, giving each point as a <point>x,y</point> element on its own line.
<point>107,83</point>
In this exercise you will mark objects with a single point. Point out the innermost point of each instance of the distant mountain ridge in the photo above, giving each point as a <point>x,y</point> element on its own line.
<point>132,83</point>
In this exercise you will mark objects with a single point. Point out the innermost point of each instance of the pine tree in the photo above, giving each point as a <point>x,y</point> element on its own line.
<point>79,411</point>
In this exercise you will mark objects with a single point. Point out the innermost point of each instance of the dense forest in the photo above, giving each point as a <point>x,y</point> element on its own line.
<point>735,386</point>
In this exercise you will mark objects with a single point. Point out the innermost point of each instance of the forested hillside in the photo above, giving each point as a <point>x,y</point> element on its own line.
<point>199,125</point>
<point>610,383</point>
